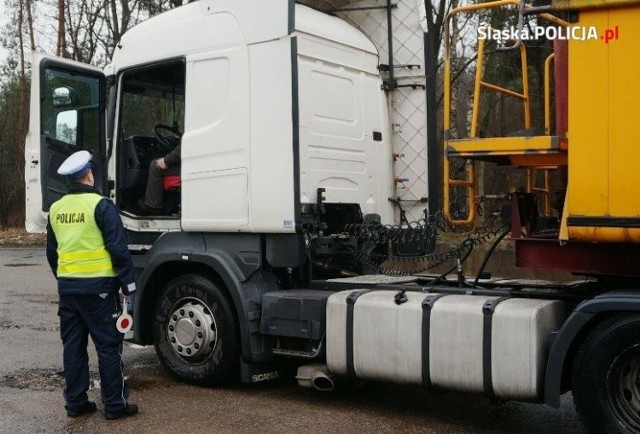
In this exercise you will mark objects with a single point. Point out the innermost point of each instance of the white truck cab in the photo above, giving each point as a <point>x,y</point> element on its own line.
<point>269,101</point>
<point>281,119</point>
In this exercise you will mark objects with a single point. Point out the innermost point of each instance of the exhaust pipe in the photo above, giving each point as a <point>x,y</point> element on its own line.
<point>316,376</point>
<point>323,381</point>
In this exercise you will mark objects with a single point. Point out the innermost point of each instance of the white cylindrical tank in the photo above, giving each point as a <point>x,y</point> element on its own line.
<point>387,341</point>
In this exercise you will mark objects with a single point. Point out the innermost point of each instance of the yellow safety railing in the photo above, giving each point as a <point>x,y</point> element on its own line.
<point>480,84</point>
<point>531,184</point>
<point>545,190</point>
<point>547,93</point>
<point>469,182</point>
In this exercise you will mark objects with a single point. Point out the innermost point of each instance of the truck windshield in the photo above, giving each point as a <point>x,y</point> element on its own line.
<point>150,97</point>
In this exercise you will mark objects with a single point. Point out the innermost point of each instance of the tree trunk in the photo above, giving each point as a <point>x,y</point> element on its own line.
<point>61,45</point>
<point>22,117</point>
<point>32,37</point>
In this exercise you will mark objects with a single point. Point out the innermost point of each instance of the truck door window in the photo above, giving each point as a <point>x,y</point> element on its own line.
<point>70,110</point>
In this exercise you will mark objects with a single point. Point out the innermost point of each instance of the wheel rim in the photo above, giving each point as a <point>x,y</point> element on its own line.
<point>624,387</point>
<point>192,330</point>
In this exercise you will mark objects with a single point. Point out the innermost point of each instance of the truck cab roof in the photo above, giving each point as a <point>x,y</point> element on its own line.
<point>189,30</point>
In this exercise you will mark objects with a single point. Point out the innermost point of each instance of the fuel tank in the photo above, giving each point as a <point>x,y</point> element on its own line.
<point>492,345</point>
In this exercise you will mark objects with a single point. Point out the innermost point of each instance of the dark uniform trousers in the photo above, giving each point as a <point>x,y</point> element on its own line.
<point>81,316</point>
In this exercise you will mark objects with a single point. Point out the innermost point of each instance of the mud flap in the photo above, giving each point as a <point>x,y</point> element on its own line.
<point>251,373</point>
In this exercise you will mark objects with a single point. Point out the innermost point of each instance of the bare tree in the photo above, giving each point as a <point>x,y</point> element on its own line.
<point>119,16</point>
<point>30,24</point>
<point>436,14</point>
<point>84,24</point>
<point>22,112</point>
<point>61,45</point>
<point>17,38</point>
<point>157,7</point>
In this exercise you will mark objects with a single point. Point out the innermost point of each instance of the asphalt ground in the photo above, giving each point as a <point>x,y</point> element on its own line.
<point>31,386</point>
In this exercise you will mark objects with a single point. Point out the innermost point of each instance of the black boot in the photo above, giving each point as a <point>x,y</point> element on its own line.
<point>144,209</point>
<point>129,410</point>
<point>87,407</point>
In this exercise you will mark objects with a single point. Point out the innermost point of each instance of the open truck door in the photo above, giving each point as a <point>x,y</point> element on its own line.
<point>67,115</point>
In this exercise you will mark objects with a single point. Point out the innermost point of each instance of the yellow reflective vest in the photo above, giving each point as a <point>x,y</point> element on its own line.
<point>81,250</point>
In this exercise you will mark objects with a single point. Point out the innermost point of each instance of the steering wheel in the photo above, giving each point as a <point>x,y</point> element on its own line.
<point>167,141</point>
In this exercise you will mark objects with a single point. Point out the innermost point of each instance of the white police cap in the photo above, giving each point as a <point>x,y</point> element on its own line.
<point>75,165</point>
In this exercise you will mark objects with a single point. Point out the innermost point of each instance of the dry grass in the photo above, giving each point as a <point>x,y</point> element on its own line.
<point>18,237</point>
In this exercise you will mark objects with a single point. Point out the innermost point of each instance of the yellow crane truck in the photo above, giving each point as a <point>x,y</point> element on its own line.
<point>593,151</point>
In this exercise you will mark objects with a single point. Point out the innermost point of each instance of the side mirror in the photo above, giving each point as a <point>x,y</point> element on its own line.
<point>67,126</point>
<point>64,96</point>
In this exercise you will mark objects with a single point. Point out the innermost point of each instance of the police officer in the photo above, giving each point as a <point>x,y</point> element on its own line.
<point>88,254</point>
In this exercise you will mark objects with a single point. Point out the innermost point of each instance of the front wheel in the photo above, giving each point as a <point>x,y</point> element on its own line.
<point>606,376</point>
<point>195,332</point>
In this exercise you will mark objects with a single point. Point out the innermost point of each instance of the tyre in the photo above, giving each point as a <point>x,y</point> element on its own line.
<point>606,377</point>
<point>195,332</point>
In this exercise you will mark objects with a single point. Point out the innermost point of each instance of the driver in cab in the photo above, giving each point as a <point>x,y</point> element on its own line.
<point>153,201</point>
